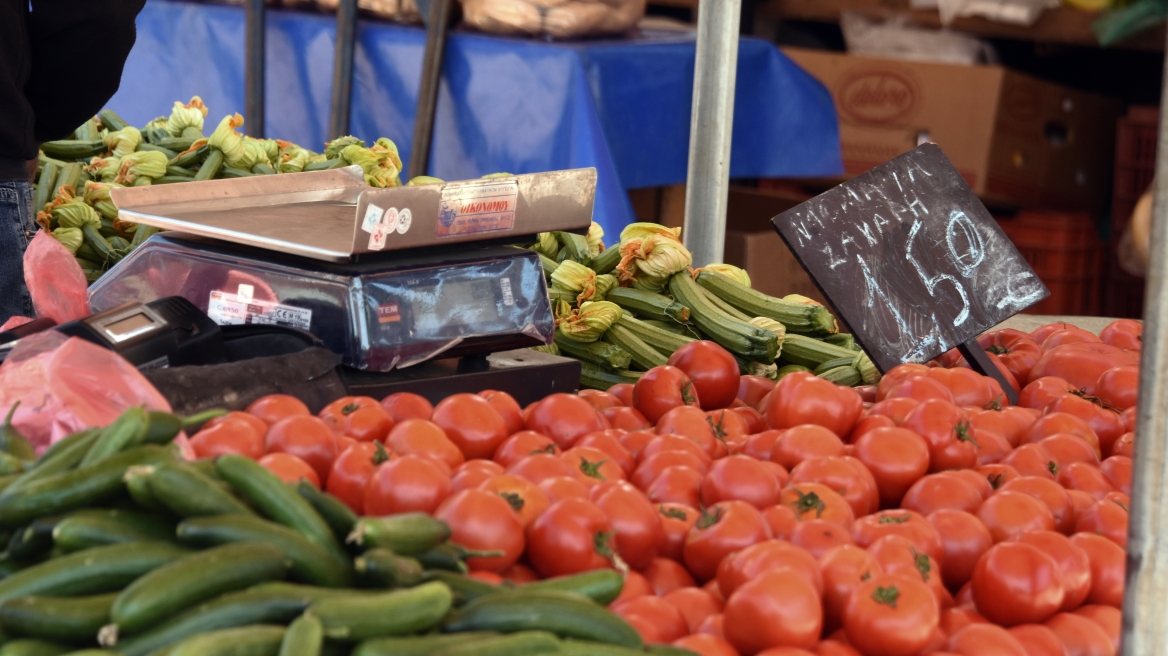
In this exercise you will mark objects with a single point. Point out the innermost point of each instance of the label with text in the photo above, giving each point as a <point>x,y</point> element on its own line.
<point>487,206</point>
<point>228,309</point>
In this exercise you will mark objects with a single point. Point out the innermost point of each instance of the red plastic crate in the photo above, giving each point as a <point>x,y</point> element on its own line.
<point>1065,251</point>
<point>1136,141</point>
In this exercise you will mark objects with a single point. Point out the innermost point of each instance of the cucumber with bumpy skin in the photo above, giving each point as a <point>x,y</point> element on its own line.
<point>56,618</point>
<point>93,571</point>
<point>401,612</point>
<point>255,640</point>
<point>565,614</point>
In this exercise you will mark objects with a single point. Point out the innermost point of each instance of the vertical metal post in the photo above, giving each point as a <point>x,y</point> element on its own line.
<point>1145,602</point>
<point>253,72</point>
<point>343,69</point>
<point>708,178</point>
<point>428,89</point>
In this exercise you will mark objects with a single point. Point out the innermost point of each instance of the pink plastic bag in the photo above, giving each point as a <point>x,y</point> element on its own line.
<point>55,280</point>
<point>65,384</point>
<point>14,322</point>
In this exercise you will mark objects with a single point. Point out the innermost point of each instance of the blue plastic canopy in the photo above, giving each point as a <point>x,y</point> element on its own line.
<point>505,104</point>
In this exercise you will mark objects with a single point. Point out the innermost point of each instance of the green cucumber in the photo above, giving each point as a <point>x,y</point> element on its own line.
<point>188,492</point>
<point>730,310</point>
<point>407,534</point>
<point>170,154</point>
<point>111,121</point>
<point>843,340</point>
<point>597,377</point>
<point>311,593</point>
<point>811,352</point>
<point>382,568</point>
<point>604,354</point>
<point>189,157</point>
<point>12,441</point>
<point>85,530</point>
<point>465,588</point>
<point>385,614</point>
<point>418,645</point>
<point>304,637</point>
<point>602,586</point>
<point>137,480</point>
<point>523,643</point>
<point>33,542</point>
<point>231,610</point>
<point>33,647</point>
<point>80,488</point>
<point>668,650</point>
<point>311,563</point>
<point>579,648</point>
<point>564,614</point>
<point>59,458</point>
<point>340,518</point>
<point>210,166</point>
<point>276,500</point>
<point>71,619</point>
<point>833,363</point>
<point>194,579</point>
<point>254,640</point>
<point>93,571</point>
<point>449,556</point>
<point>648,305</point>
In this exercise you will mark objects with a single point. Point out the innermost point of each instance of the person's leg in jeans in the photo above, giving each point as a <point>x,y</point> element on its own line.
<point>17,227</point>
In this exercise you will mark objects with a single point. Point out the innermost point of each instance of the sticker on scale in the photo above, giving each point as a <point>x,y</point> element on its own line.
<point>487,206</point>
<point>372,218</point>
<point>377,237</point>
<point>508,298</point>
<point>404,219</point>
<point>228,309</point>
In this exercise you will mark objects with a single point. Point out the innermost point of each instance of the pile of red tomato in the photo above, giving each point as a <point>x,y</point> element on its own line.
<point>922,516</point>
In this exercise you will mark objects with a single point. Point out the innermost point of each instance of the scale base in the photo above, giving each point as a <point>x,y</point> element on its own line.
<point>525,374</point>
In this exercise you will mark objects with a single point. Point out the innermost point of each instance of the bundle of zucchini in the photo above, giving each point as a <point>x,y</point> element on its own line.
<point>116,545</point>
<point>74,175</point>
<point>625,309</point>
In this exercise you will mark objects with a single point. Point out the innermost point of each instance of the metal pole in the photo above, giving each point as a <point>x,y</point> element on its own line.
<point>343,69</point>
<point>1145,601</point>
<point>708,178</point>
<point>253,76</point>
<point>428,89</point>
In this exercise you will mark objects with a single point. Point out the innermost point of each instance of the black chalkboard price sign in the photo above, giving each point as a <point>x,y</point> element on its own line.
<point>912,260</point>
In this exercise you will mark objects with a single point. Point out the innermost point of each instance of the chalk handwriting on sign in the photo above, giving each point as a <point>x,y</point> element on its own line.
<point>911,258</point>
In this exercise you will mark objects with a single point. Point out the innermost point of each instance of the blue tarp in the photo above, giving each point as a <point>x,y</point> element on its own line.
<point>517,105</point>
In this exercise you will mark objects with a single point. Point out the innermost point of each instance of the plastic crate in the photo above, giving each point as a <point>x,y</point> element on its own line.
<point>1135,162</point>
<point>1065,251</point>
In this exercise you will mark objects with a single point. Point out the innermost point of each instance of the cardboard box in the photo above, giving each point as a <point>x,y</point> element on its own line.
<point>1017,140</point>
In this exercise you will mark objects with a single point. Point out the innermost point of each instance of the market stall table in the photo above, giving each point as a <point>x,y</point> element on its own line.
<point>515,105</point>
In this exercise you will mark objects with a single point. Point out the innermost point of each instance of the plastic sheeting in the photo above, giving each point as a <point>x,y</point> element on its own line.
<point>515,105</point>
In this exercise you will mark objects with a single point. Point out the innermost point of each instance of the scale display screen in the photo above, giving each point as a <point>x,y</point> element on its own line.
<point>131,326</point>
<point>455,303</point>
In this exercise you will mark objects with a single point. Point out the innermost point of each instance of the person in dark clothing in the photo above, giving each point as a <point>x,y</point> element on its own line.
<point>60,61</point>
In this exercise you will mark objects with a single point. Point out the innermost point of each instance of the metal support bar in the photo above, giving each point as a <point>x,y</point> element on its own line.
<point>708,178</point>
<point>428,89</point>
<point>253,76</point>
<point>1145,602</point>
<point>343,69</point>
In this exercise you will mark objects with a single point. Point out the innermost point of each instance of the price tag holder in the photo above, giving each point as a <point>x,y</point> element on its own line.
<point>912,261</point>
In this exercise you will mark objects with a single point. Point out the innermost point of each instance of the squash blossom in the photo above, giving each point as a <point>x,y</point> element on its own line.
<point>766,323</point>
<point>105,168</point>
<point>228,141</point>
<point>598,290</point>
<point>547,245</point>
<point>332,149</point>
<point>254,152</point>
<point>293,160</point>
<point>124,141</point>
<point>424,180</point>
<point>271,149</point>
<point>76,214</point>
<point>642,229</point>
<point>389,148</point>
<point>595,239</point>
<point>160,123</point>
<point>377,165</point>
<point>70,238</point>
<point>730,271</point>
<point>868,371</point>
<point>648,262</point>
<point>98,196</point>
<point>573,276</point>
<point>590,322</point>
<point>187,117</point>
<point>149,164</point>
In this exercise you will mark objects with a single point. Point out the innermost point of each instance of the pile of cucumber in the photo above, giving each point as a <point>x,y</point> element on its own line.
<point>768,336</point>
<point>116,545</point>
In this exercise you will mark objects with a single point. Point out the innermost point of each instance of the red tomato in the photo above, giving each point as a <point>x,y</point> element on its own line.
<point>472,424</point>
<point>957,618</point>
<point>1109,618</point>
<point>625,418</point>
<point>706,645</point>
<point>1042,332</point>
<point>652,466</point>
<point>896,408</point>
<point>558,488</point>
<point>1033,460</point>
<point>635,585</point>
<point>1038,640</point>
<point>998,475</point>
<point>751,389</point>
<point>667,622</point>
<point>713,370</point>
<point>676,484</point>
<point>623,392</point>
<point>540,467</point>
<point>667,575</point>
<point>974,478</point>
<point>834,647</point>
<point>1105,423</point>
<point>1081,364</point>
<point>1009,422</point>
<point>1107,518</point>
<point>351,472</point>
<point>1041,391</point>
<point>592,466</point>
<point>694,425</point>
<point>1082,501</point>
<point>359,417</point>
<point>991,446</point>
<point>419,436</point>
<point>406,484</point>
<point>815,501</point>
<point>571,536</point>
<point>662,389</point>
<point>1125,445</point>
<point>473,473</point>
<point>869,423</point>
<point>599,400</point>
<point>1080,636</point>
<point>897,457</point>
<point>947,430</point>
<point>608,443</point>
<point>637,523</point>
<point>897,555</point>
<point>799,443</point>
<point>274,407</point>
<point>1017,350</point>
<point>676,521</point>
<point>483,521</point>
<point>1087,478</point>
<point>817,536</point>
<point>778,608</point>
<point>985,640</point>
<point>673,443</point>
<point>712,626</point>
<point>781,520</point>
<point>1069,335</point>
<point>753,419</point>
<point>905,523</point>
<point>507,407</point>
<point>1118,470</point>
<point>722,528</point>
<point>519,574</point>
<point>967,387</point>
<point>1016,583</point>
<point>1051,494</point>
<point>1059,422</point>
<point>890,615</point>
<point>307,438</point>
<point>845,474</point>
<point>938,491</point>
<point>230,435</point>
<point>964,538</point>
<point>407,405</point>
<point>524,497</point>
<point>728,425</point>
<point>1124,333</point>
<point>1072,562</point>
<point>844,568</point>
<point>1108,564</point>
<point>290,469</point>
<point>523,444</point>
<point>759,445</point>
<point>564,418</point>
<point>1068,447</point>
<point>1010,514</point>
<point>1119,387</point>
<point>921,388</point>
<point>896,375</point>
<point>740,478</point>
<point>801,398</point>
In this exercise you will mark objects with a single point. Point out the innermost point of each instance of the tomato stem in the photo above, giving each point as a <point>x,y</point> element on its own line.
<point>1053,468</point>
<point>894,519</point>
<point>1102,403</point>
<point>550,449</point>
<point>708,519</point>
<point>719,432</point>
<point>513,499</point>
<point>592,469</point>
<point>997,350</point>
<point>380,455</point>
<point>963,429</point>
<point>687,396</point>
<point>808,502</point>
<point>996,480</point>
<point>672,513</point>
<point>602,543</point>
<point>886,595</point>
<point>995,404</point>
<point>921,561</point>
<point>350,409</point>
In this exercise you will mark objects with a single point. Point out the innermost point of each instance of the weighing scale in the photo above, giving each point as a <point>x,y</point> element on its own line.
<point>399,282</point>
